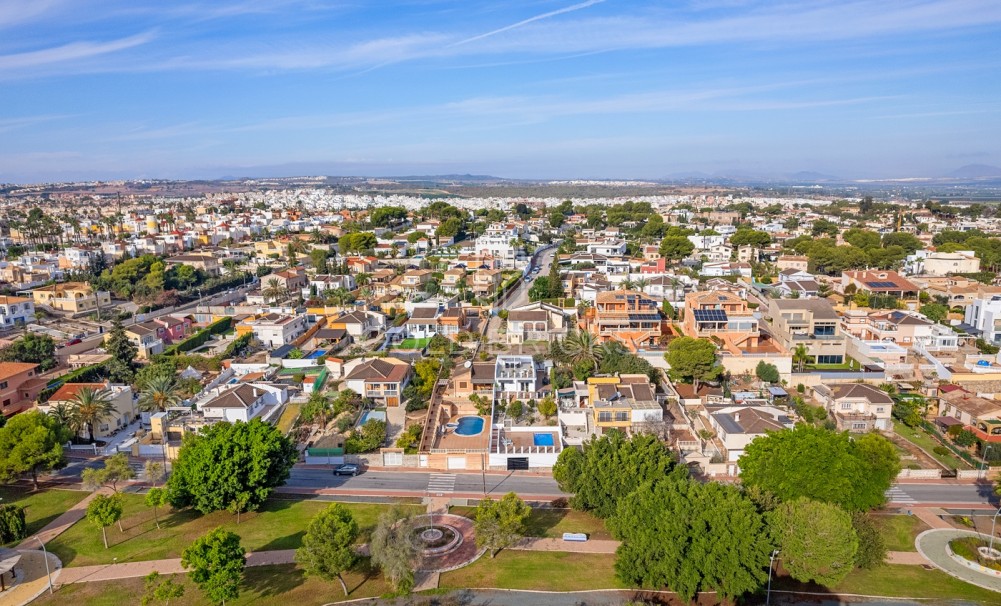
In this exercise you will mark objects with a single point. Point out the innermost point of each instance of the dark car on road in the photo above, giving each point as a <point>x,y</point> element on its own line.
<point>347,470</point>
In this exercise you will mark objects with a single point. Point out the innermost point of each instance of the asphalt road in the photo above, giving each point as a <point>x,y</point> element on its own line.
<point>941,494</point>
<point>520,295</point>
<point>416,483</point>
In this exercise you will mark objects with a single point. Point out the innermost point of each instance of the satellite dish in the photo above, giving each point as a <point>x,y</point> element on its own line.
<point>467,363</point>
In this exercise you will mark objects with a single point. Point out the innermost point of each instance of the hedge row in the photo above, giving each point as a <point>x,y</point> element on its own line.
<point>200,338</point>
<point>85,374</point>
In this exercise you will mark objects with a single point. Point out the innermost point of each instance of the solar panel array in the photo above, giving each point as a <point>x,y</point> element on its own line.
<point>881,284</point>
<point>710,315</point>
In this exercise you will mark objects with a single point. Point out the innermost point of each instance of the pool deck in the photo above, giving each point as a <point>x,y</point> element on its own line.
<point>521,440</point>
<point>453,441</point>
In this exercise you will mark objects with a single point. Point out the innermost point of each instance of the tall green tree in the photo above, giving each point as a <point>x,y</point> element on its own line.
<point>608,468</point>
<point>103,511</point>
<point>31,348</point>
<point>215,563</point>
<point>691,537</point>
<point>328,549</point>
<point>828,466</point>
<point>693,360</point>
<point>113,470</point>
<point>817,540</point>
<point>31,443</point>
<point>499,524</point>
<point>156,498</point>
<point>393,548</point>
<point>224,461</point>
<point>676,248</point>
<point>121,367</point>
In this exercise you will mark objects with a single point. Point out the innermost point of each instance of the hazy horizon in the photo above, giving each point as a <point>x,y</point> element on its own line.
<point>519,89</point>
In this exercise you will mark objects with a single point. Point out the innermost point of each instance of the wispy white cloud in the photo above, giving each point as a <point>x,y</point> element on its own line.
<point>16,12</point>
<point>9,124</point>
<point>73,51</point>
<point>524,22</point>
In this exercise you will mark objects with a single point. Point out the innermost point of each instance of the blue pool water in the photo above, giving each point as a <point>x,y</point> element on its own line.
<point>469,426</point>
<point>316,354</point>
<point>543,439</point>
<point>372,415</point>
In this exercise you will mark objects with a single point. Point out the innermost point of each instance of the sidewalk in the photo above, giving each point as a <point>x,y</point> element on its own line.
<point>930,516</point>
<point>58,526</point>
<point>591,546</point>
<point>34,582</point>
<point>128,570</point>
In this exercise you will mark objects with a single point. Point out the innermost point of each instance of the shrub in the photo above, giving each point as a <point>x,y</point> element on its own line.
<point>940,450</point>
<point>12,523</point>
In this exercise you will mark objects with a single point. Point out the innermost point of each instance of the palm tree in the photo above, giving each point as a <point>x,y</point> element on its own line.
<point>641,284</point>
<point>582,346</point>
<point>800,356</point>
<point>627,284</point>
<point>363,278</point>
<point>675,282</point>
<point>160,394</point>
<point>63,413</point>
<point>90,407</point>
<point>275,291</point>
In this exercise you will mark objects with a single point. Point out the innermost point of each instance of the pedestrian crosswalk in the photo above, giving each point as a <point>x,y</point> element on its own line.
<point>441,483</point>
<point>896,495</point>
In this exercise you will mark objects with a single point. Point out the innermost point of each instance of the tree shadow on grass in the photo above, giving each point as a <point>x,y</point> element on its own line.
<point>290,541</point>
<point>365,571</point>
<point>269,581</point>
<point>543,520</point>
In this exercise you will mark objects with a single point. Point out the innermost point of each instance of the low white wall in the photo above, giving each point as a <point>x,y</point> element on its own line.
<point>926,474</point>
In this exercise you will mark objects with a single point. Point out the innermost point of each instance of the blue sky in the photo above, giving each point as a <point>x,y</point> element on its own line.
<point>515,88</point>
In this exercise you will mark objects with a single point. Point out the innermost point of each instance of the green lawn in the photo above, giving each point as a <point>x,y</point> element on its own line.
<point>40,507</point>
<point>288,417</point>
<point>552,523</point>
<point>921,438</point>
<point>261,585</point>
<point>899,580</point>
<point>536,570</point>
<point>899,531</point>
<point>279,525</point>
<point>413,344</point>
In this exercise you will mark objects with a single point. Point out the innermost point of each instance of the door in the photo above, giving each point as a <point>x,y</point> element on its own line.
<point>391,459</point>
<point>456,462</point>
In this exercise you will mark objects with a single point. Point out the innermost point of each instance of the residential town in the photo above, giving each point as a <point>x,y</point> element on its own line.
<point>490,336</point>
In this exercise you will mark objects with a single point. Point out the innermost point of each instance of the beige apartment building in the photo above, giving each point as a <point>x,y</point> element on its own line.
<point>812,323</point>
<point>72,297</point>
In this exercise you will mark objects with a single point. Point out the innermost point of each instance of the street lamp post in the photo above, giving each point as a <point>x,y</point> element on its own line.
<point>983,463</point>
<point>45,556</point>
<point>771,562</point>
<point>990,546</point>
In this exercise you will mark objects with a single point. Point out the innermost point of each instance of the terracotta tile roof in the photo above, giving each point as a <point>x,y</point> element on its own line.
<point>379,370</point>
<point>69,391</point>
<point>10,369</point>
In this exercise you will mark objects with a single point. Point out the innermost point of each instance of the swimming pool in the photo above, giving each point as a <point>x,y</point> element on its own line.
<point>543,439</point>
<point>372,415</point>
<point>316,354</point>
<point>469,426</point>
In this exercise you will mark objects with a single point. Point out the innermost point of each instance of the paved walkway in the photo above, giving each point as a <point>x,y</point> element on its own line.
<point>34,581</point>
<point>910,558</point>
<point>591,546</point>
<point>128,570</point>
<point>68,518</point>
<point>932,545</point>
<point>930,516</point>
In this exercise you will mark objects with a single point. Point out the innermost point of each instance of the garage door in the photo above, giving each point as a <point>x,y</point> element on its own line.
<point>457,462</point>
<point>516,463</point>
<point>390,459</point>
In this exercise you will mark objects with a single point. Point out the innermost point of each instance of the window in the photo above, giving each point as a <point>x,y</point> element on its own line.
<point>822,330</point>
<point>622,416</point>
<point>846,406</point>
<point>858,426</point>
<point>6,402</point>
<point>830,359</point>
<point>3,385</point>
<point>604,417</point>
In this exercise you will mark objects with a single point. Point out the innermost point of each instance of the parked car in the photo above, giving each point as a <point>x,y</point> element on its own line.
<point>347,470</point>
<point>73,341</point>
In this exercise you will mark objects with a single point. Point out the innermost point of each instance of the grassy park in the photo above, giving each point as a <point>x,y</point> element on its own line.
<point>899,531</point>
<point>552,523</point>
<point>42,506</point>
<point>261,585</point>
<point>280,524</point>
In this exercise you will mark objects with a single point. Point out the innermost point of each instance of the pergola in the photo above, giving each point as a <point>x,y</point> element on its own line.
<point>9,558</point>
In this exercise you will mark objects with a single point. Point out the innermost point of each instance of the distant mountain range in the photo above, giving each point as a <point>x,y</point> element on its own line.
<point>975,171</point>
